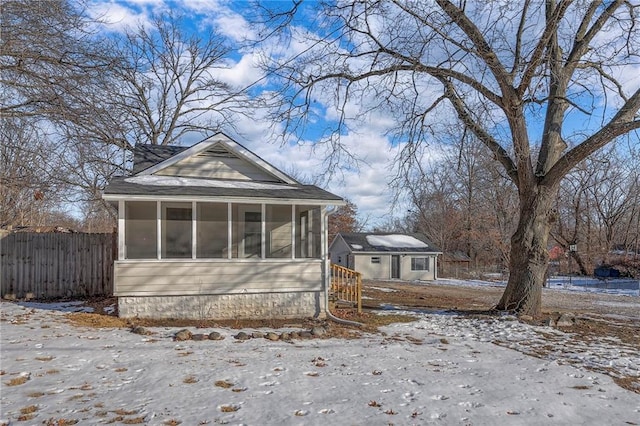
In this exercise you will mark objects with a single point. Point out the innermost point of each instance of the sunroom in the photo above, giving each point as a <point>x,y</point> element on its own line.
<point>213,231</point>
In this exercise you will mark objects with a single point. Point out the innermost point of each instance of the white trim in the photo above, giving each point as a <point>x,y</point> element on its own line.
<point>229,231</point>
<point>323,232</point>
<point>237,200</point>
<point>121,230</point>
<point>293,231</point>
<point>226,261</point>
<point>263,231</point>
<point>242,226</point>
<point>194,229</point>
<point>231,145</point>
<point>159,229</point>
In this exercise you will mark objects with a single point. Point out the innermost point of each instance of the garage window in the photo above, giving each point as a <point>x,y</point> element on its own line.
<point>419,263</point>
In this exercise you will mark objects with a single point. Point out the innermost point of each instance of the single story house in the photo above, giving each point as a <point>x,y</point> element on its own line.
<point>386,255</point>
<point>214,231</point>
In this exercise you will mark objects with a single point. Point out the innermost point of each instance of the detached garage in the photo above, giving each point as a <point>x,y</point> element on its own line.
<point>386,255</point>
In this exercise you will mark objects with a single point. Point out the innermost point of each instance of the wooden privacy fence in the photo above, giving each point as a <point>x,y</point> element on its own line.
<point>346,285</point>
<point>55,265</point>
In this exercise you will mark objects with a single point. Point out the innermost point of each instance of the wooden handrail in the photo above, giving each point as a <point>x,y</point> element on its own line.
<point>346,285</point>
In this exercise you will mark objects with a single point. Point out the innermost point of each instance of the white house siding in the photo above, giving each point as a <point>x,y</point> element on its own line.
<point>338,251</point>
<point>407,274</point>
<point>216,168</point>
<point>220,289</point>
<point>382,270</point>
<point>370,271</point>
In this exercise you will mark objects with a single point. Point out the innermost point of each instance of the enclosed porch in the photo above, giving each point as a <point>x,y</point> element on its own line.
<point>210,259</point>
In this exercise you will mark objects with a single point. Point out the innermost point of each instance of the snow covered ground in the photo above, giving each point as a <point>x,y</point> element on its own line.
<point>440,369</point>
<point>621,286</point>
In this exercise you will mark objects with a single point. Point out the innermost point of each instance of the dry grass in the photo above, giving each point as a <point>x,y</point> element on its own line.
<point>134,421</point>
<point>123,412</point>
<point>223,384</point>
<point>16,381</point>
<point>26,417</point>
<point>229,408</point>
<point>44,358</point>
<point>27,413</point>
<point>28,410</point>
<point>35,394</point>
<point>60,422</point>
<point>190,380</point>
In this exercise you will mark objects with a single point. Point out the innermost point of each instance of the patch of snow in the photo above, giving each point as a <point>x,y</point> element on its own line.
<point>184,181</point>
<point>71,306</point>
<point>356,246</point>
<point>624,287</point>
<point>395,241</point>
<point>385,289</point>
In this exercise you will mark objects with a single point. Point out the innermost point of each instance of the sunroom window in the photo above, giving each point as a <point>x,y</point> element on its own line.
<point>141,236</point>
<point>247,231</point>
<point>212,230</point>
<point>278,231</point>
<point>176,230</point>
<point>308,232</point>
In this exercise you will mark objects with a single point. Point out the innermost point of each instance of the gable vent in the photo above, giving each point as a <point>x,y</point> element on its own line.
<point>216,152</point>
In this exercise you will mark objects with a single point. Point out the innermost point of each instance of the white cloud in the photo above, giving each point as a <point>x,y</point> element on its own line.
<point>117,17</point>
<point>240,74</point>
<point>233,26</point>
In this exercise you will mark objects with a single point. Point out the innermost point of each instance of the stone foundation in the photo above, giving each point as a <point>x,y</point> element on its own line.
<point>227,306</point>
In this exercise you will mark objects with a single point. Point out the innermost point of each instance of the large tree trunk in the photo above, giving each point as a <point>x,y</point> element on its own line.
<point>529,253</point>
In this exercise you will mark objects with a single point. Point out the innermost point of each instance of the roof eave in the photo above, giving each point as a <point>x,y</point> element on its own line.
<point>219,198</point>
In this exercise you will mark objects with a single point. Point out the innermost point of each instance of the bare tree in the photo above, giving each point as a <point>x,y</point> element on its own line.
<point>575,218</point>
<point>30,184</point>
<point>597,208</point>
<point>343,219</point>
<point>56,71</point>
<point>463,202</point>
<point>165,91</point>
<point>435,211</point>
<point>50,57</point>
<point>98,93</point>
<point>498,68</point>
<point>169,84</point>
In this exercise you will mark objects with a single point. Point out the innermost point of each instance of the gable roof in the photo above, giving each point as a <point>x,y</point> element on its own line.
<point>368,242</point>
<point>216,168</point>
<point>218,146</point>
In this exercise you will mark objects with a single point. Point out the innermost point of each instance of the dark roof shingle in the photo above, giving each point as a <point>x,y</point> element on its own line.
<point>147,155</point>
